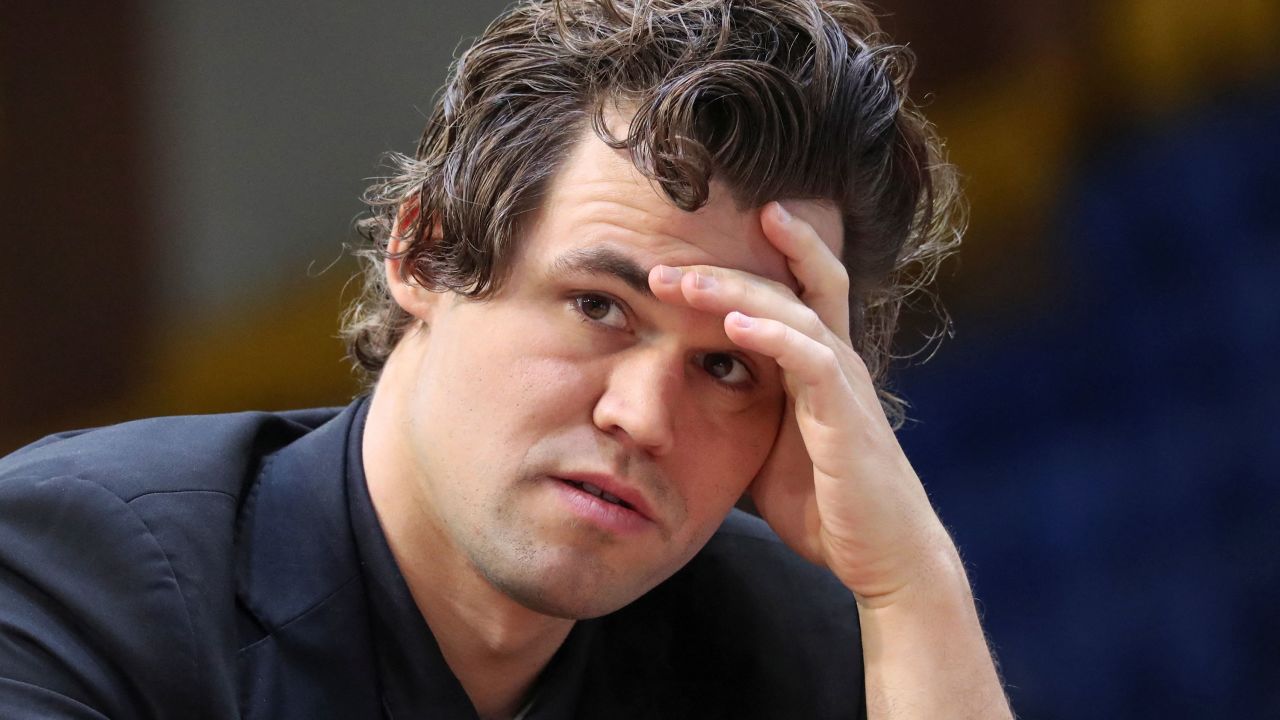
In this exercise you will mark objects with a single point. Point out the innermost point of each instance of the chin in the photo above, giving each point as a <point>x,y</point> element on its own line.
<point>569,606</point>
<point>581,591</point>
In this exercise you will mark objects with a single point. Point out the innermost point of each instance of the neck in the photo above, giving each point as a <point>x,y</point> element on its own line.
<point>494,646</point>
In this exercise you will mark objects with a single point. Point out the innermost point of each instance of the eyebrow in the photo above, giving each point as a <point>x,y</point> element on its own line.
<point>603,260</point>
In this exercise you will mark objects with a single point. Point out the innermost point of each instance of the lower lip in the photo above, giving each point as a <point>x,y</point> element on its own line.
<point>600,512</point>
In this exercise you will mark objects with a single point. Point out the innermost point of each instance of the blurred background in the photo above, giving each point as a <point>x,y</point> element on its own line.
<point>178,180</point>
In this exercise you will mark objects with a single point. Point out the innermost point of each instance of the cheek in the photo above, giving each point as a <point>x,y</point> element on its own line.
<point>509,362</point>
<point>722,457</point>
<point>533,387</point>
<point>541,389</point>
<point>503,408</point>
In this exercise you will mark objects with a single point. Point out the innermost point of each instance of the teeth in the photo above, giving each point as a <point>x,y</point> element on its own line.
<point>601,493</point>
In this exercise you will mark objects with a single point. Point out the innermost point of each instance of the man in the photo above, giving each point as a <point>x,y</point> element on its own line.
<point>646,260</point>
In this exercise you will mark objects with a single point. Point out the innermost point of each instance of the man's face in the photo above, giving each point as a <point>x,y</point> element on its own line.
<point>572,377</point>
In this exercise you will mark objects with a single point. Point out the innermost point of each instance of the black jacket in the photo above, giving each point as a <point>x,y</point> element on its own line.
<point>204,567</point>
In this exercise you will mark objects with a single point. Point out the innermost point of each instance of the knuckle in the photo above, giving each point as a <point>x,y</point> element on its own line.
<point>787,334</point>
<point>792,342</point>
<point>854,360</point>
<point>840,278</point>
<point>812,323</point>
<point>827,358</point>
<point>854,368</point>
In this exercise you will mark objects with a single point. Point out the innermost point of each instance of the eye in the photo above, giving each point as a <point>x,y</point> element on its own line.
<point>726,369</point>
<point>601,309</point>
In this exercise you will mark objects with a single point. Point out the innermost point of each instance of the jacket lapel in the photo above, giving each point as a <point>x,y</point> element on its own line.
<point>305,644</point>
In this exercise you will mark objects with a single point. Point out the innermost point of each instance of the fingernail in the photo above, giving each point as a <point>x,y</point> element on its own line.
<point>782,214</point>
<point>668,275</point>
<point>741,320</point>
<point>703,282</point>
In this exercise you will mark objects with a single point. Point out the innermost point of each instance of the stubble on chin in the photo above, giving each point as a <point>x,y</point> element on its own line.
<point>574,581</point>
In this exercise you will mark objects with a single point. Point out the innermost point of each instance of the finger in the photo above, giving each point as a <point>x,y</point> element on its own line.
<point>721,290</point>
<point>813,260</point>
<point>813,371</point>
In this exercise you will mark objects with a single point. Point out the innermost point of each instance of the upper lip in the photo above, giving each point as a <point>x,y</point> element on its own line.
<point>613,486</point>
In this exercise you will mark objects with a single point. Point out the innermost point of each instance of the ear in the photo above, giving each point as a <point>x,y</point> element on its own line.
<point>408,293</point>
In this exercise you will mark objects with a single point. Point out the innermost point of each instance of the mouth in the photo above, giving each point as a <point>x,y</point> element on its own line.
<point>590,489</point>
<point>590,502</point>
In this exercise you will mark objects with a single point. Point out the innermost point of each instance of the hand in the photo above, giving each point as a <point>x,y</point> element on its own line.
<point>836,486</point>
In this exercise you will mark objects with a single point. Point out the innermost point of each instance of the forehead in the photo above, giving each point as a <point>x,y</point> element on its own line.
<point>599,197</point>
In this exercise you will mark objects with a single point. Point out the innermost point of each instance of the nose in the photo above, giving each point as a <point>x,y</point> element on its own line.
<point>640,400</point>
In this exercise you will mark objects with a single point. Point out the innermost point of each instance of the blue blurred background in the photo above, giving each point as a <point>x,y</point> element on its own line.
<point>178,179</point>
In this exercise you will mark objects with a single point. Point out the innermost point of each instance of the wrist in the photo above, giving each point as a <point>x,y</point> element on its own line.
<point>923,646</point>
<point>937,575</point>
<point>927,570</point>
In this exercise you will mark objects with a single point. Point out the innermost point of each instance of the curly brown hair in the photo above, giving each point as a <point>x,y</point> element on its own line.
<point>775,98</point>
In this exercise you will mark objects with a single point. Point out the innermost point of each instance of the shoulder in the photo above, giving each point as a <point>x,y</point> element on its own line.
<point>746,629</point>
<point>166,454</point>
<point>116,561</point>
